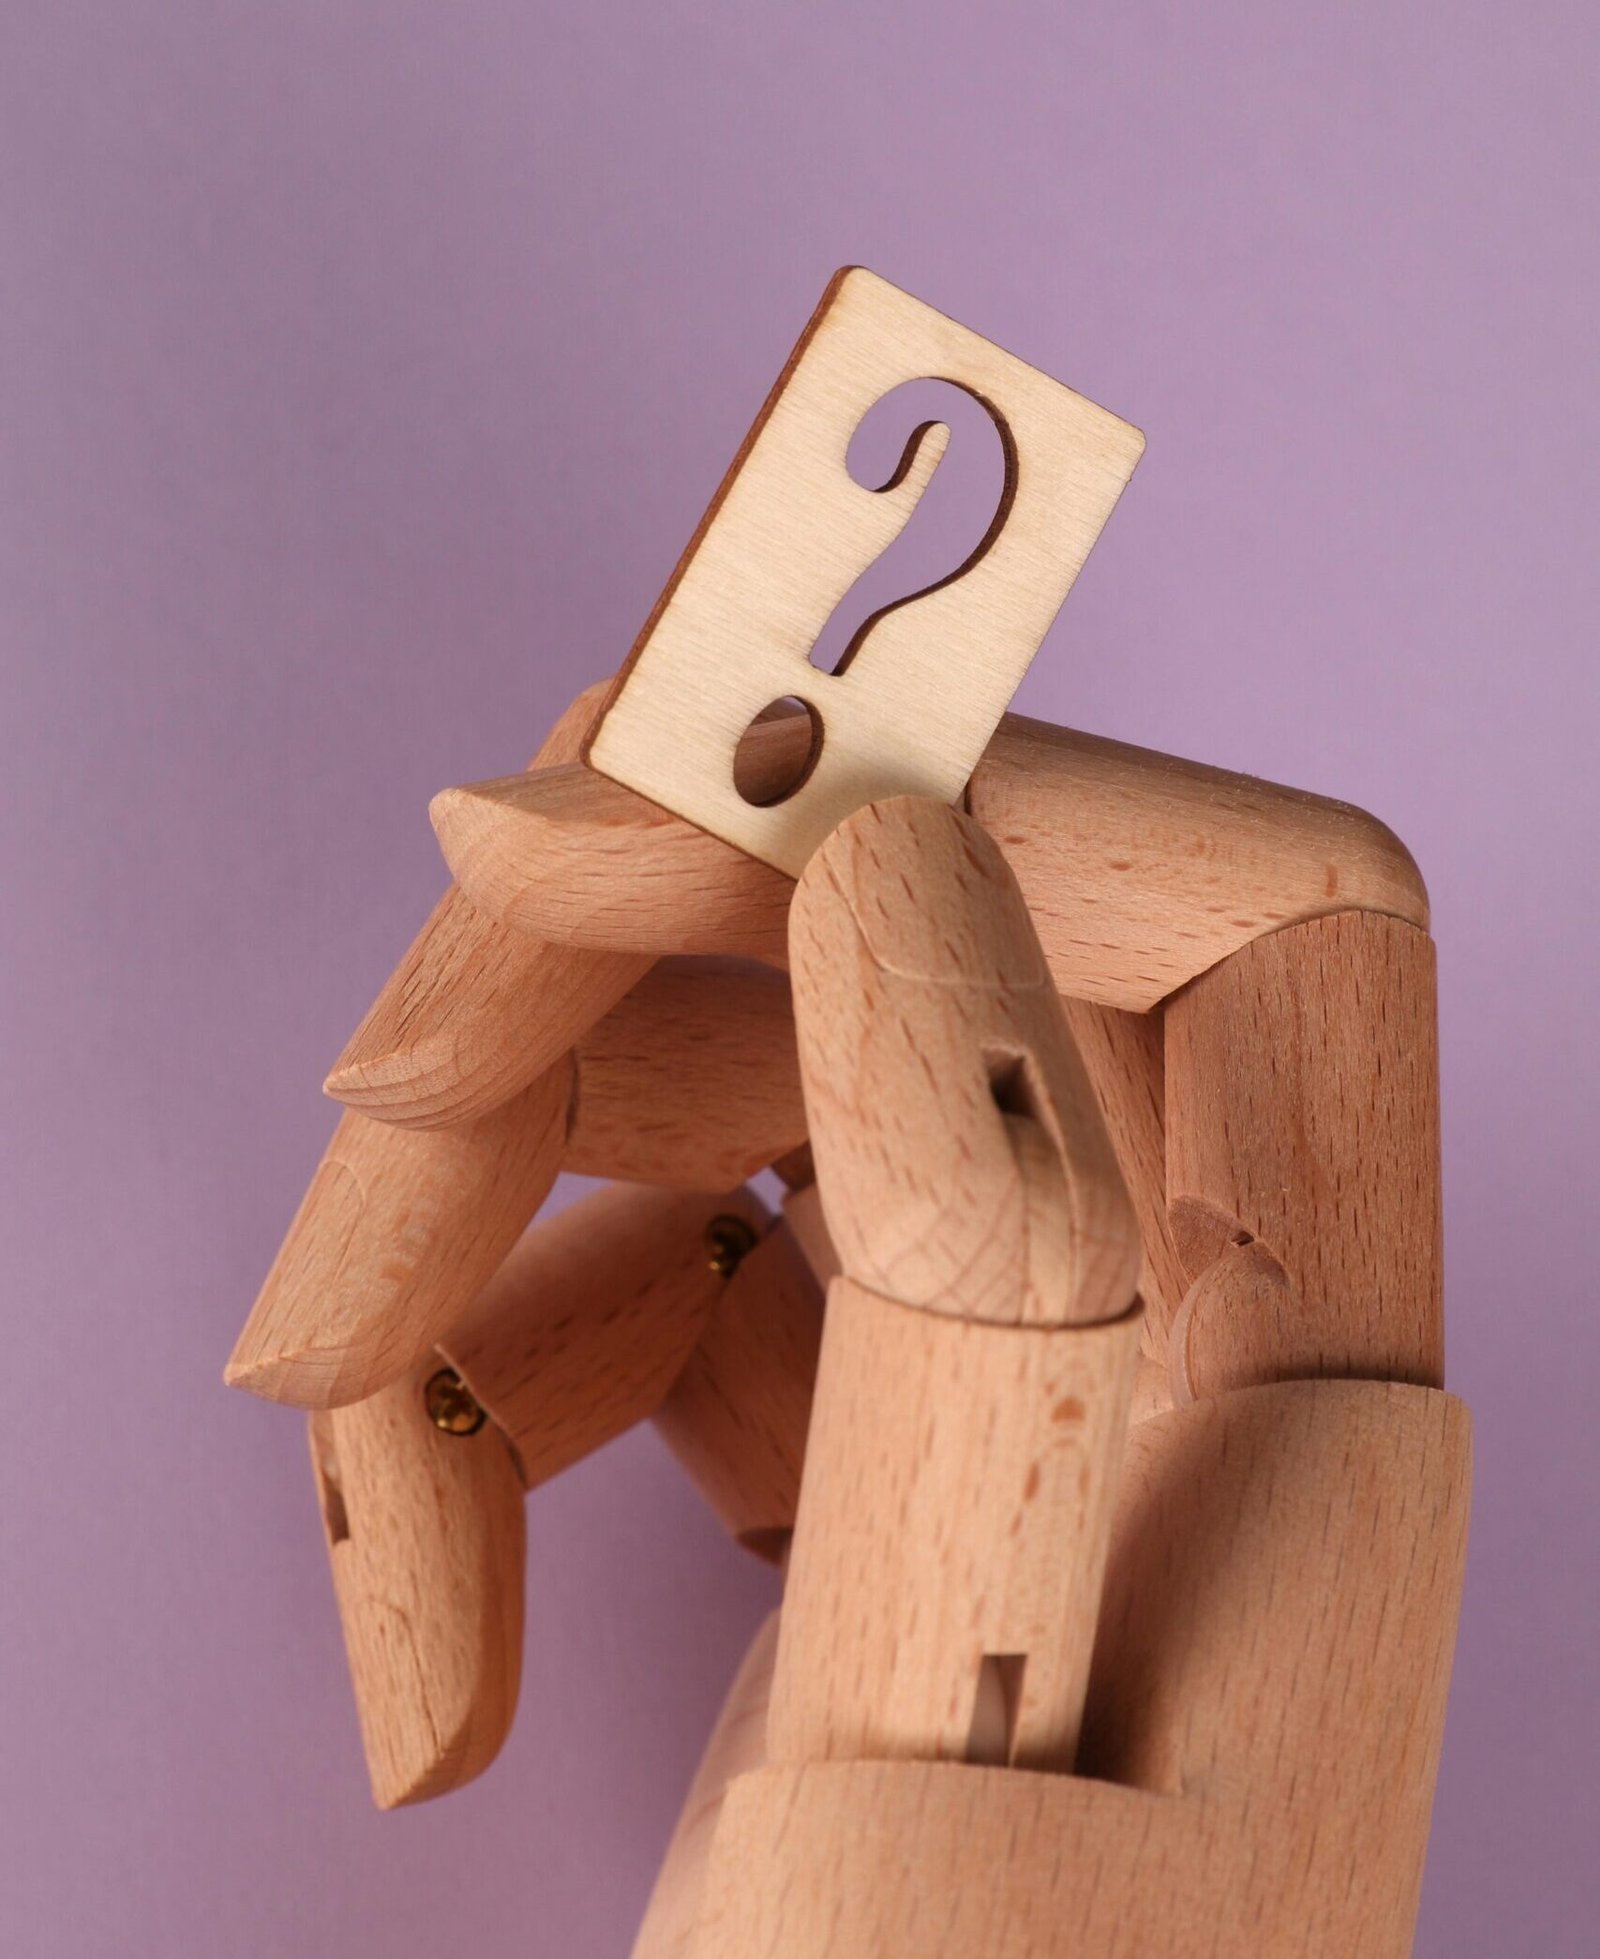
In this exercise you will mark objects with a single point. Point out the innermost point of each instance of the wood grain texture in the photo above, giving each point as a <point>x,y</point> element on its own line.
<point>802,1212</point>
<point>1152,1389</point>
<point>737,1415</point>
<point>1141,871</point>
<point>737,1745</point>
<point>590,1320</point>
<point>962,1159</point>
<point>787,535</point>
<point>1152,1395</point>
<point>1123,1055</point>
<point>1303,1157</point>
<point>691,1081</point>
<point>796,1170</point>
<point>399,1229</point>
<point>577,859</point>
<point>475,1011</point>
<point>1271,1675</point>
<point>425,1537</point>
<point>956,1510</point>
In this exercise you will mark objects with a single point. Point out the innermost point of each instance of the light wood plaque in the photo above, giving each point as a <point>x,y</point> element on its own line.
<point>787,535</point>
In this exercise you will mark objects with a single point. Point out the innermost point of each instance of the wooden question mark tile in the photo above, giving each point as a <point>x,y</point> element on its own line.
<point>787,535</point>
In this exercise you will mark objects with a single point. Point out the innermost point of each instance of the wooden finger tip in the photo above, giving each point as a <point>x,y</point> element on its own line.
<point>422,1085</point>
<point>358,1077</point>
<point>435,1764</point>
<point>425,1539</point>
<point>902,869</point>
<point>466,811</point>
<point>283,1356</point>
<point>297,1377</point>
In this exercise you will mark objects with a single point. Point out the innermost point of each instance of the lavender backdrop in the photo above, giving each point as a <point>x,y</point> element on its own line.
<point>363,368</point>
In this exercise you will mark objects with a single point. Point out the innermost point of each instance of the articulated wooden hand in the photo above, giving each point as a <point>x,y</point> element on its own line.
<point>1260,1727</point>
<point>1141,872</point>
<point>1264,1068</point>
<point>491,1061</point>
<point>1083,1650</point>
<point>634,1303</point>
<point>983,1334</point>
<point>452,1365</point>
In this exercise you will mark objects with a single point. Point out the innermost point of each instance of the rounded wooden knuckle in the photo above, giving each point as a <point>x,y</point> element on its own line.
<point>1144,870</point>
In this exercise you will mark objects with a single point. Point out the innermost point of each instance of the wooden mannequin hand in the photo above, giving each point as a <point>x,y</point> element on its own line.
<point>649,1036</point>
<point>490,1062</point>
<point>454,1365</point>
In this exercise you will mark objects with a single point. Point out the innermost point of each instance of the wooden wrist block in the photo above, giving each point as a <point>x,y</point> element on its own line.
<point>475,1011</point>
<point>737,1415</point>
<point>585,1327</point>
<point>398,1231</point>
<point>425,1538</point>
<point>952,1529</point>
<point>1265,1715</point>
<point>1303,1157</point>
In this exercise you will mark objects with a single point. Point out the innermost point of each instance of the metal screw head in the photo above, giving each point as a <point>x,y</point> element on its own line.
<point>451,1404</point>
<point>728,1240</point>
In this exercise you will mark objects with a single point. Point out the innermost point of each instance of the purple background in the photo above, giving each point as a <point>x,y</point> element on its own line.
<point>363,368</point>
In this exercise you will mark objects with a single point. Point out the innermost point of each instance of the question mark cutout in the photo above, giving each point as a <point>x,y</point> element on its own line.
<point>954,446</point>
<point>921,684</point>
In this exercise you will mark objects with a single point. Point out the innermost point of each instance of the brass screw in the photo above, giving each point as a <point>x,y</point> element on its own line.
<point>451,1404</point>
<point>728,1240</point>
